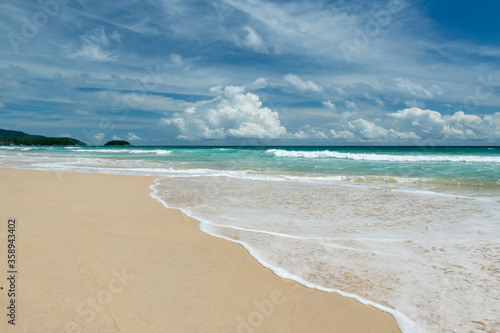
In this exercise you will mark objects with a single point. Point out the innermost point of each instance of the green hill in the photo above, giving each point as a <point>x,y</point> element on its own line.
<point>16,134</point>
<point>118,143</point>
<point>17,138</point>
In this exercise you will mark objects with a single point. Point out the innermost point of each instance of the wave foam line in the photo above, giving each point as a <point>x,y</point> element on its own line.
<point>383,157</point>
<point>133,151</point>
<point>272,233</point>
<point>405,324</point>
<point>157,151</point>
<point>279,234</point>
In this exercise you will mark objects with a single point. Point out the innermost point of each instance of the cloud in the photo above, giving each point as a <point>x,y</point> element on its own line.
<point>96,45</point>
<point>362,130</point>
<point>99,136</point>
<point>379,101</point>
<point>232,114</point>
<point>343,135</point>
<point>140,100</point>
<point>65,135</point>
<point>459,126</point>
<point>260,83</point>
<point>296,46</point>
<point>408,126</point>
<point>81,112</point>
<point>176,59</point>
<point>309,133</point>
<point>2,105</point>
<point>236,114</point>
<point>417,89</point>
<point>350,105</point>
<point>254,41</point>
<point>368,131</point>
<point>296,27</point>
<point>414,103</point>
<point>329,105</point>
<point>133,137</point>
<point>303,86</point>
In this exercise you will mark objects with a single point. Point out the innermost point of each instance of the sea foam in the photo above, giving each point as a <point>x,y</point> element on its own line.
<point>384,157</point>
<point>392,247</point>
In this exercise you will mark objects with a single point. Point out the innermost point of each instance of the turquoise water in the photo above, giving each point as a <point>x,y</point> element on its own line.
<point>414,231</point>
<point>472,165</point>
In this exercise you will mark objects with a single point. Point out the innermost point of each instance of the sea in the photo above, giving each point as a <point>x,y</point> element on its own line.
<point>414,231</point>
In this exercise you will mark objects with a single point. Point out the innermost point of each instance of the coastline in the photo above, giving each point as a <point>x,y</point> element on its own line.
<point>97,252</point>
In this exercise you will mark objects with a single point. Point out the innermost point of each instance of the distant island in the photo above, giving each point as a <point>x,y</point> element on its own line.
<point>18,138</point>
<point>118,143</point>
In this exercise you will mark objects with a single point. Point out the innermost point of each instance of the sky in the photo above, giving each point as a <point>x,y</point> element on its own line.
<point>254,72</point>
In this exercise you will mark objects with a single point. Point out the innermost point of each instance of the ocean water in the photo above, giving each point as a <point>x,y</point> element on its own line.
<point>414,231</point>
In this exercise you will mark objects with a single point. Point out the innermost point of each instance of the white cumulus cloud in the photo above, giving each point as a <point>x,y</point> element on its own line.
<point>260,83</point>
<point>369,131</point>
<point>459,126</point>
<point>343,135</point>
<point>233,113</point>
<point>415,124</point>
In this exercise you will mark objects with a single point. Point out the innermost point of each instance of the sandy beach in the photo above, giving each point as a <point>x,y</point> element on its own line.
<point>96,253</point>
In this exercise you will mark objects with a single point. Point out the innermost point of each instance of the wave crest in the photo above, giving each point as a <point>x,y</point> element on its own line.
<point>383,157</point>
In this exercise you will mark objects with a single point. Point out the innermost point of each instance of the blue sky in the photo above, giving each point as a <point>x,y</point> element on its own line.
<point>160,72</point>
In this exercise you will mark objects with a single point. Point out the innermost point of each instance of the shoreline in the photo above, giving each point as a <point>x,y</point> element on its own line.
<point>97,252</point>
<point>405,324</point>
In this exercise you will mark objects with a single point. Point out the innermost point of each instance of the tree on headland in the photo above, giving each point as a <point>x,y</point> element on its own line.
<point>118,143</point>
<point>17,138</point>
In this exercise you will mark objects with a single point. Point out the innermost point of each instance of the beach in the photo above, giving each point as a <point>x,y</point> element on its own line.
<point>96,253</point>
